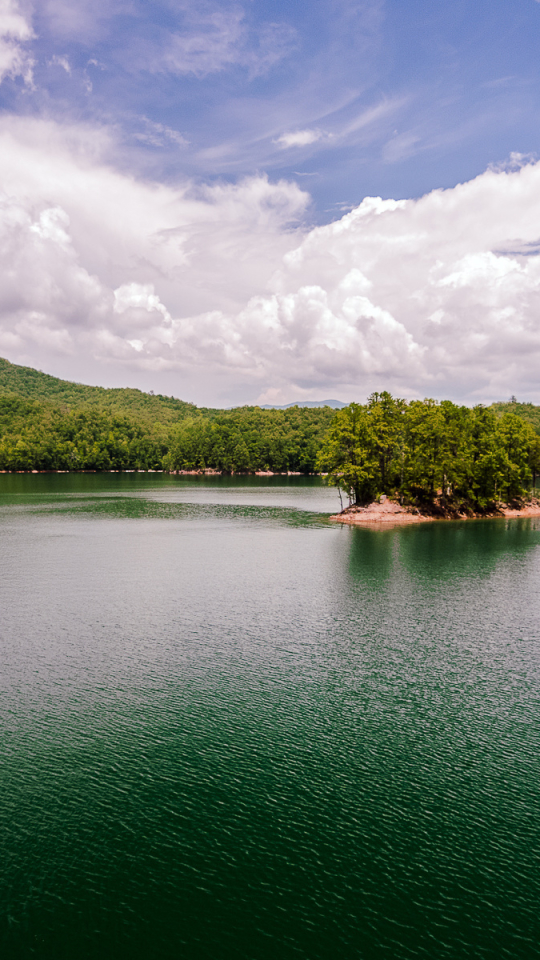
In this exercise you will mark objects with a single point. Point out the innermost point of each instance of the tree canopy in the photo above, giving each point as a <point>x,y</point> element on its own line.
<point>425,449</point>
<point>52,424</point>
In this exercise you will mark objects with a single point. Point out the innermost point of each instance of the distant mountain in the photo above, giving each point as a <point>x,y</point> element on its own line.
<point>335,404</point>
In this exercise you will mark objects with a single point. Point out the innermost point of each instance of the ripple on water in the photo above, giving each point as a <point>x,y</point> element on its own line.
<point>231,735</point>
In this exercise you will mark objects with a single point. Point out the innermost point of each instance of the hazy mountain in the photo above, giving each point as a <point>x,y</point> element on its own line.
<point>335,404</point>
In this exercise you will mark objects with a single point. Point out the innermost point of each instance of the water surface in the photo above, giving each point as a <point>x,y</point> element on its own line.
<point>233,730</point>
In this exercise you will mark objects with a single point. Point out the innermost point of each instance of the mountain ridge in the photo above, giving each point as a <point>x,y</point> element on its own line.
<point>309,404</point>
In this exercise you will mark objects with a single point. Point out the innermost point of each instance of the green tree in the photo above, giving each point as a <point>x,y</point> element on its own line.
<point>350,454</point>
<point>386,417</point>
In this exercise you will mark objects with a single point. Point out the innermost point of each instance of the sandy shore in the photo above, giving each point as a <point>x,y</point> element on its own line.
<point>389,512</point>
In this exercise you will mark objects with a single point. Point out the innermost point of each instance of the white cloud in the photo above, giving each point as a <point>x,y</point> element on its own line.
<point>209,44</point>
<point>83,20</point>
<point>15,32</point>
<point>94,260</point>
<point>218,290</point>
<point>515,161</point>
<point>300,138</point>
<point>57,61</point>
<point>400,147</point>
<point>158,134</point>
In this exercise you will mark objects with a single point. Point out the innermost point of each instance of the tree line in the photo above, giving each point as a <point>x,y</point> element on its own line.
<point>248,439</point>
<point>424,450</point>
<point>40,435</point>
<point>418,451</point>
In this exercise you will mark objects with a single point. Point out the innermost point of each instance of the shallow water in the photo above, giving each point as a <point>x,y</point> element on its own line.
<point>233,730</point>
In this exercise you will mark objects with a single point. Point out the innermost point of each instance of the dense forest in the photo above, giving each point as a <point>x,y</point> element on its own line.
<point>247,439</point>
<point>147,408</point>
<point>52,424</point>
<point>417,450</point>
<point>424,451</point>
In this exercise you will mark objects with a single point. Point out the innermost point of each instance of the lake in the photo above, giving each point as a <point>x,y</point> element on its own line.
<point>231,729</point>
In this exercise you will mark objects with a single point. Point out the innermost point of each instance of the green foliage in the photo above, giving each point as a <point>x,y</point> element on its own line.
<point>525,411</point>
<point>42,436</point>
<point>51,424</point>
<point>419,451</point>
<point>247,439</point>
<point>424,450</point>
<point>146,408</point>
<point>349,453</point>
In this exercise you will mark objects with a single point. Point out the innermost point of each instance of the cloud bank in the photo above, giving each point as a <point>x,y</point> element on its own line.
<point>219,295</point>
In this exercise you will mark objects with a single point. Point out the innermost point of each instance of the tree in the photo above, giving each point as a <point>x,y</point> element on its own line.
<point>350,454</point>
<point>534,459</point>
<point>386,417</point>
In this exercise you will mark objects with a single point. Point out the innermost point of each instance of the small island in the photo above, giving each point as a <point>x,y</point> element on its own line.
<point>400,462</point>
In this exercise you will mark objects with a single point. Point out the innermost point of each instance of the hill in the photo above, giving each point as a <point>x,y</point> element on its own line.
<point>527,411</point>
<point>310,404</point>
<point>52,424</point>
<point>30,384</point>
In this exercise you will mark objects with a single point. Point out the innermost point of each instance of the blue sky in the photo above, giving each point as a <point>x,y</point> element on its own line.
<point>302,109</point>
<point>398,98</point>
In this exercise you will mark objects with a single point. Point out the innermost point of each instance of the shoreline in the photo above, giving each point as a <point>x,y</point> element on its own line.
<point>179,473</point>
<point>388,512</point>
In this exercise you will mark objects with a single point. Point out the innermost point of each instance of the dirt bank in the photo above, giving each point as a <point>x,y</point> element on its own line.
<point>391,512</point>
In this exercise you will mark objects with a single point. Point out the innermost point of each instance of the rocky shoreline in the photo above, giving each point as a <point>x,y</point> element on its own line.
<point>388,511</point>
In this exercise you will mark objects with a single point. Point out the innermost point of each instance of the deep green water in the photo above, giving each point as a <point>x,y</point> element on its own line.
<point>230,729</point>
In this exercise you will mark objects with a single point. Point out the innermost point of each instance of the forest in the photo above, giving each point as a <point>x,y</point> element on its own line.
<point>423,450</point>
<point>52,424</point>
<point>416,450</point>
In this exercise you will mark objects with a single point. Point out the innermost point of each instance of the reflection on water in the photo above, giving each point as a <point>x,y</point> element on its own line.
<point>303,493</point>
<point>231,729</point>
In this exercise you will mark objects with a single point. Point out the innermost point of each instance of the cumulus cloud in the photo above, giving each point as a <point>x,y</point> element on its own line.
<point>15,32</point>
<point>218,292</point>
<point>94,259</point>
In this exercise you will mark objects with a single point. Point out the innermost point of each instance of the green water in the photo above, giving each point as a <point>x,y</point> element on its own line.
<point>230,729</point>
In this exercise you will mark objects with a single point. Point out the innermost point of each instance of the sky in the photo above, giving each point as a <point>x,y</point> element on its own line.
<point>241,202</point>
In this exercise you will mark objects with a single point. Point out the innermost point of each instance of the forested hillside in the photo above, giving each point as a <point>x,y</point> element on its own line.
<point>52,424</point>
<point>125,401</point>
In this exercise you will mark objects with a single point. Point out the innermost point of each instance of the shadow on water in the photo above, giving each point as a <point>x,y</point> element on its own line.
<point>372,554</point>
